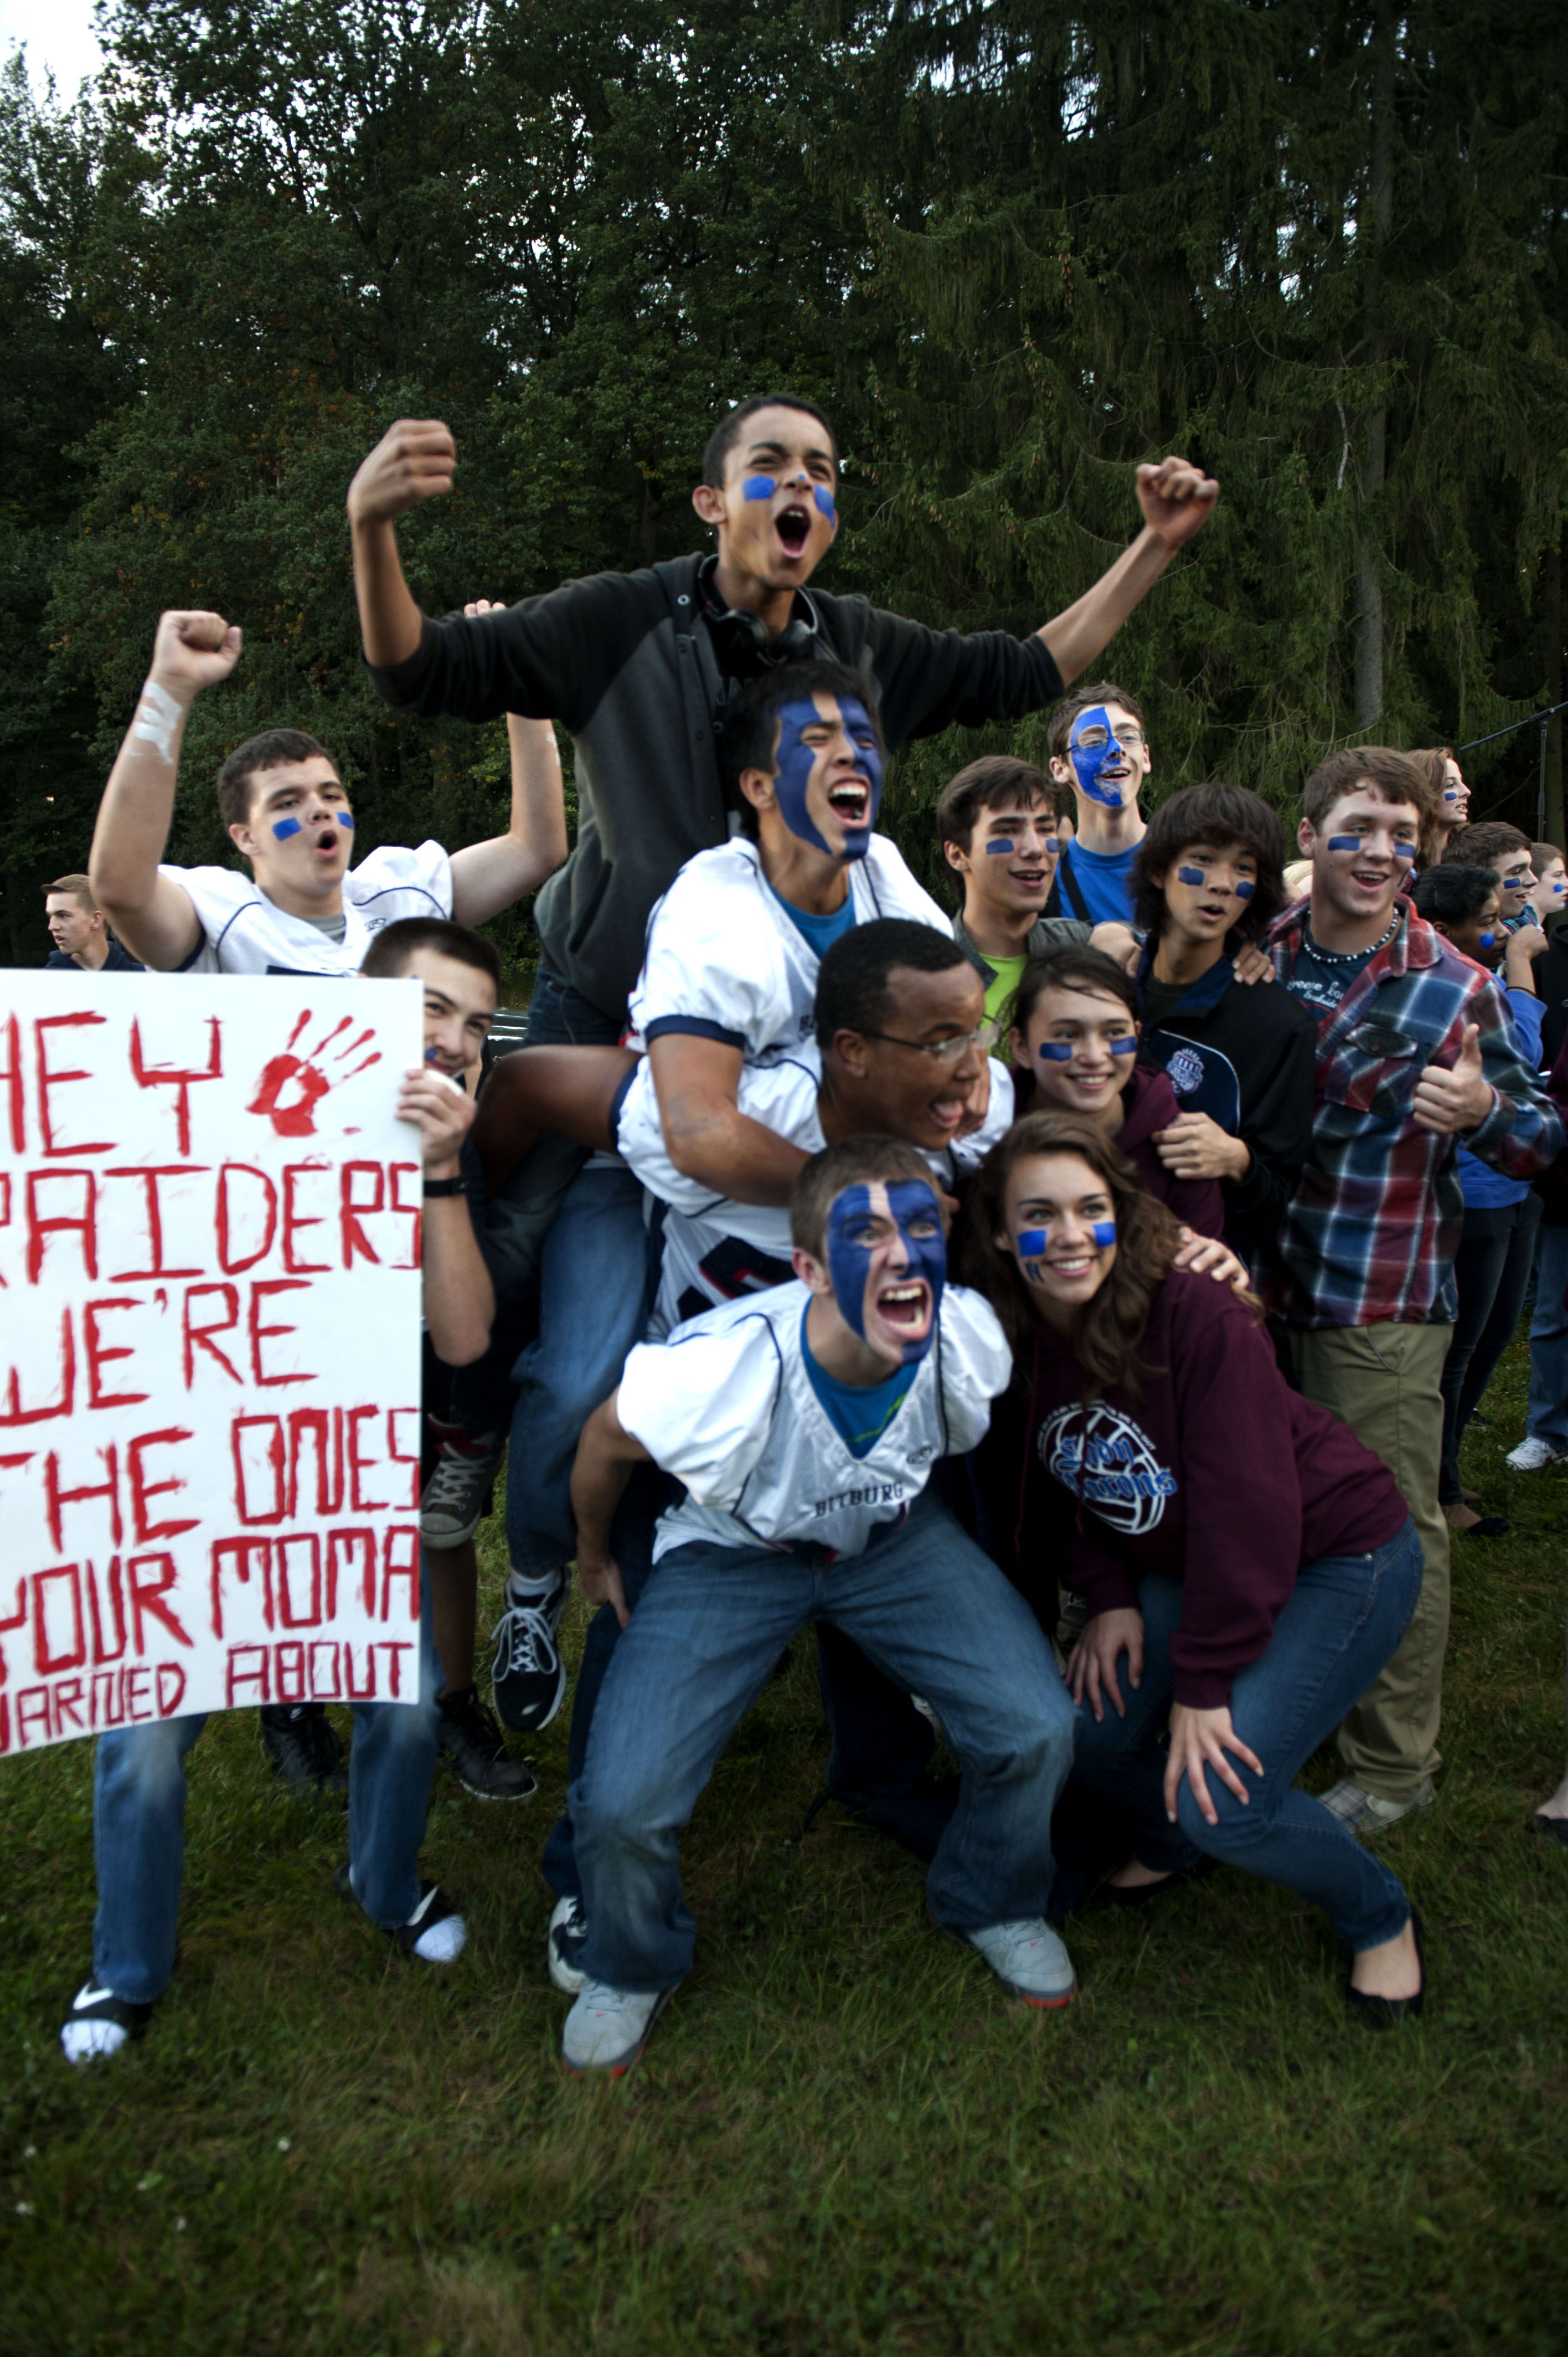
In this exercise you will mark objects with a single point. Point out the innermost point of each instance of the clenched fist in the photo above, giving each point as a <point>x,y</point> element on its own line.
<point>413,460</point>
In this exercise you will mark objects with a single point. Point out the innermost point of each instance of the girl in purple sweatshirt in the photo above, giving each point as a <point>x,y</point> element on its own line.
<point>1249,1567</point>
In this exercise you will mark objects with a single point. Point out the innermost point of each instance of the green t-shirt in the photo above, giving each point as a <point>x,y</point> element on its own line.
<point>1006,974</point>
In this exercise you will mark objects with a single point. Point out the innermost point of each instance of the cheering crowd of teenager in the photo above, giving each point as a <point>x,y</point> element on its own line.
<point>1070,1308</point>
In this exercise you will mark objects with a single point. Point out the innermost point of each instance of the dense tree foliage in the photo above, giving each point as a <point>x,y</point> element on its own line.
<point>1014,248</point>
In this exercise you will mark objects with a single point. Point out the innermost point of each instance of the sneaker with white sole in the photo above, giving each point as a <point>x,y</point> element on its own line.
<point>470,1739</point>
<point>100,2023</point>
<point>564,1948</point>
<point>434,1933</point>
<point>607,2029</point>
<point>1532,1455</point>
<point>1030,1959</point>
<point>527,1675</point>
<point>1360,1812</point>
<point>453,1503</point>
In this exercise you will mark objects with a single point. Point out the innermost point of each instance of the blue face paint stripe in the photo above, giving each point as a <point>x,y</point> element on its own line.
<point>824,501</point>
<point>797,760</point>
<point>1197,876</point>
<point>284,827</point>
<point>1123,1046</point>
<point>1032,1241</point>
<point>1406,852</point>
<point>1089,760</point>
<point>1243,887</point>
<point>1344,843</point>
<point>344,818</point>
<point>759,487</point>
<point>1487,941</point>
<point>1000,849</point>
<point>1056,1051</point>
<point>849,1261</point>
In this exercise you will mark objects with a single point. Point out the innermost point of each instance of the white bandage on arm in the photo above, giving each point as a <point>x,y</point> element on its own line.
<point>157,717</point>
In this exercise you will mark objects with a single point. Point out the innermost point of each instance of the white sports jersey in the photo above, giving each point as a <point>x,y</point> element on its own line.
<point>715,1249</point>
<point>725,960</point>
<point>727,1406</point>
<point>245,933</point>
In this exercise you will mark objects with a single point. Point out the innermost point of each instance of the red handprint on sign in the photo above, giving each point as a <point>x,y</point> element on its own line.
<point>301,1080</point>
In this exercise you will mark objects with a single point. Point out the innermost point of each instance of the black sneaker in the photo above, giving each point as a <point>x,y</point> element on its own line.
<point>564,1948</point>
<point>528,1674</point>
<point>433,1934</point>
<point>302,1744</point>
<point>100,2023</point>
<point>480,1761</point>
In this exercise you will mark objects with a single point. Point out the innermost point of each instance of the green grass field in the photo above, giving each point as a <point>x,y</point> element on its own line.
<point>844,2137</point>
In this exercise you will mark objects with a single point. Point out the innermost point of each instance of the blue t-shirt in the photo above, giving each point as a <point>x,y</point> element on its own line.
<point>1105,881</point>
<point>860,1413</point>
<point>1321,977</point>
<point>819,933</point>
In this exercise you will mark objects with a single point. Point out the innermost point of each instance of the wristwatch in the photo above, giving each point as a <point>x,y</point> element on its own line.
<point>445,1187</point>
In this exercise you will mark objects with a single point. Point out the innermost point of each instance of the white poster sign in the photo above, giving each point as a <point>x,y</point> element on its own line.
<point>209,1354</point>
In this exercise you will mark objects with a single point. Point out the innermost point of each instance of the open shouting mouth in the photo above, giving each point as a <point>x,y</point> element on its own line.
<point>793,525</point>
<point>904,1305</point>
<point>850,803</point>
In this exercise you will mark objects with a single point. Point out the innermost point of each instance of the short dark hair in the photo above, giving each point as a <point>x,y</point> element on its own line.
<point>1483,845</point>
<point>1072,965</point>
<point>1222,818</point>
<point>726,432</point>
<point>1104,691</point>
<point>1541,856</point>
<point>749,728</point>
<point>1393,777</point>
<point>273,750</point>
<point>853,980</point>
<point>987,784</point>
<point>853,1162</point>
<point>79,889</point>
<point>390,952</point>
<point>1451,893</point>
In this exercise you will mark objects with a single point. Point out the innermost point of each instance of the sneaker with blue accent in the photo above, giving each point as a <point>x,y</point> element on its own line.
<point>1030,1959</point>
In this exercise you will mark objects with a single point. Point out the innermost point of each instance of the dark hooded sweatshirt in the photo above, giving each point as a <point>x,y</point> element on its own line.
<point>1219,1476</point>
<point>1148,1103</point>
<point>1246,1056</point>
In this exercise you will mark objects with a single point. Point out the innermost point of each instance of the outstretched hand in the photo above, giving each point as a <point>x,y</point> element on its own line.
<point>192,651</point>
<point>1178,500</point>
<point>413,460</point>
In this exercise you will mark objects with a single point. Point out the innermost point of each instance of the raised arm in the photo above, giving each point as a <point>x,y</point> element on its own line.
<point>460,1300</point>
<point>488,876</point>
<point>413,460</point>
<point>1177,500</point>
<point>707,1136</point>
<point>151,913</point>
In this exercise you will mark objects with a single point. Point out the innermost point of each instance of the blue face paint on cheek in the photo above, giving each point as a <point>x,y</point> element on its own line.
<point>824,501</point>
<point>797,761</point>
<point>346,818</point>
<point>284,827</point>
<point>1032,1241</point>
<point>1000,848</point>
<point>1405,853</point>
<point>1196,876</point>
<point>1344,843</point>
<point>850,1250</point>
<point>1123,1046</point>
<point>1053,846</point>
<point>1089,760</point>
<point>1243,887</point>
<point>1450,793</point>
<point>1487,941</point>
<point>1056,1051</point>
<point>759,487</point>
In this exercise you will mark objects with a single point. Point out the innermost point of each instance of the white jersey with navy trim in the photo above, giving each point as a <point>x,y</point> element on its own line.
<point>715,1249</point>
<point>245,933</point>
<point>727,1406</point>
<point>726,961</point>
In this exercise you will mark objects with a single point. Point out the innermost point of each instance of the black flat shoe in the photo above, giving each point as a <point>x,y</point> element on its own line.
<point>1138,1894</point>
<point>1382,2012</point>
<point>1555,1829</point>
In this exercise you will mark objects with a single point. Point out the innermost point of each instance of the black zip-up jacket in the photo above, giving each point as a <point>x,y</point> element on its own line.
<point>1245,1054</point>
<point>626,662</point>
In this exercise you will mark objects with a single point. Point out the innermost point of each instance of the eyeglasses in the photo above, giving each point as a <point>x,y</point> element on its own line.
<point>940,1051</point>
<point>1129,738</point>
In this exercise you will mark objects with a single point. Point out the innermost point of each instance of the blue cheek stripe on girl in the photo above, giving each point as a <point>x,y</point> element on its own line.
<point>1197,876</point>
<point>1056,1051</point>
<point>1344,843</point>
<point>759,487</point>
<point>1033,1241</point>
<point>824,501</point>
<point>1124,1047</point>
<point>284,827</point>
<point>344,818</point>
<point>1000,848</point>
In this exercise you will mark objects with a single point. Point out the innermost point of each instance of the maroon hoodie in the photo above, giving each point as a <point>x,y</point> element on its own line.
<point>1148,1103</point>
<point>1219,1476</point>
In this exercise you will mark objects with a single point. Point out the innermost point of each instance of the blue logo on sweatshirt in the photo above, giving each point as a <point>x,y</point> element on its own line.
<point>1100,1454</point>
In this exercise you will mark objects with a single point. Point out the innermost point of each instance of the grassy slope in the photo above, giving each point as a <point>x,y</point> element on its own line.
<point>844,2137</point>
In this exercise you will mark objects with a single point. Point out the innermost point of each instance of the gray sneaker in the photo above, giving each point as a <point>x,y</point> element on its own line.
<point>1030,1958</point>
<point>1533,1456</point>
<point>1360,1812</point>
<point>607,2029</point>
<point>454,1497</point>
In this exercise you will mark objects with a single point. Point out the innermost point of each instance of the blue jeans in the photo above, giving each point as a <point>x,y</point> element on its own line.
<point>1491,1270</point>
<point>138,1825</point>
<point>1549,1342</point>
<point>1341,1623</point>
<point>593,1307</point>
<point>930,1610</point>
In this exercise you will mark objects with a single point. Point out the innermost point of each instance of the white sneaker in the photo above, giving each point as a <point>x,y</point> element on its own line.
<point>100,2023</point>
<point>564,1948</point>
<point>1531,1455</point>
<point>1360,1812</point>
<point>607,2029</point>
<point>1030,1958</point>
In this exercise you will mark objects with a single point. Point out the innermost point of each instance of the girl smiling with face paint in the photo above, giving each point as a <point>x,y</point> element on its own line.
<point>1249,1567</point>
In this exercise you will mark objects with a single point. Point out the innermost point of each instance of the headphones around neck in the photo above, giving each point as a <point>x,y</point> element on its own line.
<point>742,640</point>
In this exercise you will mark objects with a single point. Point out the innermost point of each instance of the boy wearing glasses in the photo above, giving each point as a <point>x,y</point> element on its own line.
<point>1100,746</point>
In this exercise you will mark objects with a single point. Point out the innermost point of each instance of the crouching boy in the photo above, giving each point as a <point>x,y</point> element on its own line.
<point>804,1423</point>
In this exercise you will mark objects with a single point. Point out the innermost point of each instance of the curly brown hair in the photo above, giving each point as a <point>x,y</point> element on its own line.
<point>1105,1337</point>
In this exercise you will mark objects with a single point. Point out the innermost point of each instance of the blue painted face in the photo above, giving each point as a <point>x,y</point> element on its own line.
<point>346,818</point>
<point>852,1249</point>
<point>1344,843</point>
<point>1089,760</point>
<point>797,761</point>
<point>759,486</point>
<point>1487,941</point>
<point>1242,888</point>
<point>824,499</point>
<point>284,827</point>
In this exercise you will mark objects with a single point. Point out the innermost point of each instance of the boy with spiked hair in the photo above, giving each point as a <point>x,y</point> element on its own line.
<point>804,1424</point>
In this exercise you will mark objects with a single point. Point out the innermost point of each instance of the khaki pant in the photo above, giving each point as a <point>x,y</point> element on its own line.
<point>1383,1382</point>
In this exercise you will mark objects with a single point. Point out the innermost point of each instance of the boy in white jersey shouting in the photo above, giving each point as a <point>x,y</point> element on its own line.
<point>804,1425</point>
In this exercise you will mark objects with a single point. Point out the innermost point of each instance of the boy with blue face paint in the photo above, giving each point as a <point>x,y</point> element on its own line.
<point>803,1425</point>
<point>1100,748</point>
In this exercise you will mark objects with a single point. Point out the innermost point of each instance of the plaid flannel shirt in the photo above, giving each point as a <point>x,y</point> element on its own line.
<point>1374,1225</point>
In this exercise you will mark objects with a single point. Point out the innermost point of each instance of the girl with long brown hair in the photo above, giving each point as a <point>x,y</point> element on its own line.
<point>1249,1567</point>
